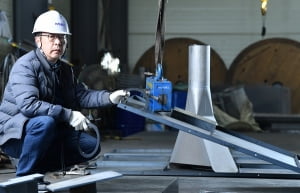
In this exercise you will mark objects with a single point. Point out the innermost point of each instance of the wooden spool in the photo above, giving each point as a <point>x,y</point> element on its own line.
<point>175,62</point>
<point>270,61</point>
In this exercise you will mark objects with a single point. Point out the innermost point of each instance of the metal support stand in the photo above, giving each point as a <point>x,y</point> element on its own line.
<point>189,149</point>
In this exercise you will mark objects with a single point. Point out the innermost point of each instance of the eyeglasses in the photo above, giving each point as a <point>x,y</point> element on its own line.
<point>53,37</point>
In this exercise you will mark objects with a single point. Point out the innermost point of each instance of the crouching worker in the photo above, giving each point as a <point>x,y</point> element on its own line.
<point>39,112</point>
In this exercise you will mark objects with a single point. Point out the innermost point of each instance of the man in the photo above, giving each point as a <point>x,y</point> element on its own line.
<point>39,114</point>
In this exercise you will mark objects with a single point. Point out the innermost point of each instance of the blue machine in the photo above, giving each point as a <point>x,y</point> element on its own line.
<point>159,91</point>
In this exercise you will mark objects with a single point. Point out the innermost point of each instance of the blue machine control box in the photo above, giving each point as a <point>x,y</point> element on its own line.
<point>160,94</point>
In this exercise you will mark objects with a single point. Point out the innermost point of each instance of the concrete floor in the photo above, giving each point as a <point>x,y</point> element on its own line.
<point>143,182</point>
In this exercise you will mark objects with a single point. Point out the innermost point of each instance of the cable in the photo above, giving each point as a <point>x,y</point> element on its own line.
<point>93,153</point>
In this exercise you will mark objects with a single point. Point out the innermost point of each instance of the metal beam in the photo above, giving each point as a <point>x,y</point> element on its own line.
<point>24,184</point>
<point>76,184</point>
<point>204,128</point>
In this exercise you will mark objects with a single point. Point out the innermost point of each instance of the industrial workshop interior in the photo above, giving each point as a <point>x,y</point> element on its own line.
<point>212,100</point>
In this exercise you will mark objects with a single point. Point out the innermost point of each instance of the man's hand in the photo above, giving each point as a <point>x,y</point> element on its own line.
<point>79,121</point>
<point>117,95</point>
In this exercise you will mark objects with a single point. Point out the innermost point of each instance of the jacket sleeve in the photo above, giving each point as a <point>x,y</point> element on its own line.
<point>25,90</point>
<point>88,98</point>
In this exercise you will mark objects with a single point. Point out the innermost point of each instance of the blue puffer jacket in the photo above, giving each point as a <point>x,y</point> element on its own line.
<point>35,88</point>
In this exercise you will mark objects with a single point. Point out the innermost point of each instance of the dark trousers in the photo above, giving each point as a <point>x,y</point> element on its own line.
<point>47,146</point>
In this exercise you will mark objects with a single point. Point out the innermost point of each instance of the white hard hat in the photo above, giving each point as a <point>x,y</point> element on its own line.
<point>51,22</point>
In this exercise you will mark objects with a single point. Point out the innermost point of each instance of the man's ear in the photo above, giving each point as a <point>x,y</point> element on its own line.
<point>38,41</point>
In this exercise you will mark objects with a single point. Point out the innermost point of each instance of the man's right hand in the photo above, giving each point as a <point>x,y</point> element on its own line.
<point>117,95</point>
<point>79,121</point>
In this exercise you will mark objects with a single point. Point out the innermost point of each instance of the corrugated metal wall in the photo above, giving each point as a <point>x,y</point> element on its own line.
<point>227,25</point>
